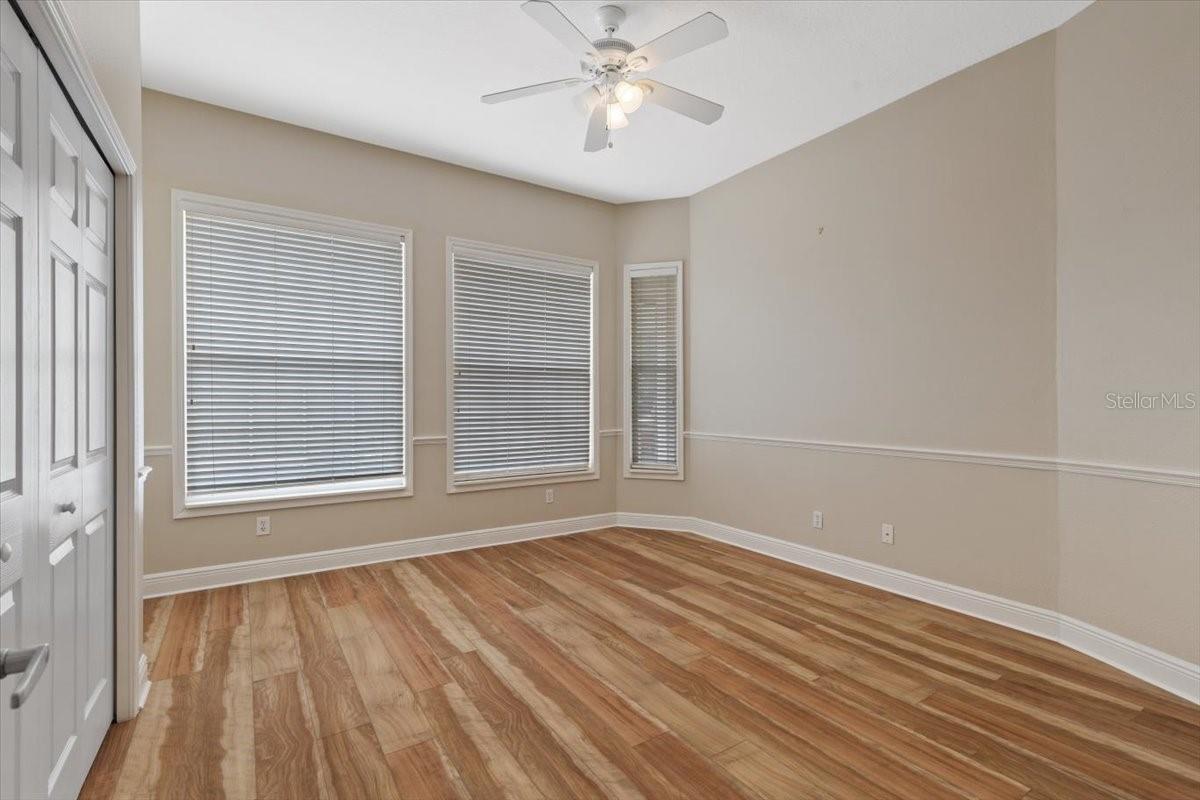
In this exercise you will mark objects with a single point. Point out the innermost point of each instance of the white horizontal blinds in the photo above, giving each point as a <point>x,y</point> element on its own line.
<point>522,353</point>
<point>294,358</point>
<point>654,369</point>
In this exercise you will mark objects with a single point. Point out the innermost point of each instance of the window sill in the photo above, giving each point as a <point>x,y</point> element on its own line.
<point>484,484</point>
<point>314,496</point>
<point>633,473</point>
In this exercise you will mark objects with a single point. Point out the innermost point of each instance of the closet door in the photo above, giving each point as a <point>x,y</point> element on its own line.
<point>75,255</point>
<point>23,732</point>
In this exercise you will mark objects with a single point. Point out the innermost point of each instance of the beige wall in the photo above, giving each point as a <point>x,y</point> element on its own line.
<point>204,148</point>
<point>891,283</point>
<point>1128,130</point>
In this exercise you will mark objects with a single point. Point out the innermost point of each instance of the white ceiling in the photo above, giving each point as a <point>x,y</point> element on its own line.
<point>408,75</point>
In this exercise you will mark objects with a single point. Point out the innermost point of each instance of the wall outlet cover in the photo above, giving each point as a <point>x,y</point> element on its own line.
<point>262,527</point>
<point>818,520</point>
<point>888,534</point>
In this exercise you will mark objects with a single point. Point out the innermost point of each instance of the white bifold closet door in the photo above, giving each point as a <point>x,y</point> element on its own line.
<point>56,434</point>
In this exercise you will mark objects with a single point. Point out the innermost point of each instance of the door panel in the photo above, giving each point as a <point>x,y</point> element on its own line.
<point>23,733</point>
<point>63,352</point>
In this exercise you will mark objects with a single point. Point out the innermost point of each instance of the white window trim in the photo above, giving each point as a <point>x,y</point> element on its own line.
<point>535,259</point>
<point>654,268</point>
<point>288,497</point>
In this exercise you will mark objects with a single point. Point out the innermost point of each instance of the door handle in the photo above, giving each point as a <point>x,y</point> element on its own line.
<point>32,661</point>
<point>5,552</point>
<point>67,508</point>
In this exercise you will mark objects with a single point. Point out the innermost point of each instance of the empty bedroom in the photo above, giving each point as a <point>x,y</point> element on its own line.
<point>644,399</point>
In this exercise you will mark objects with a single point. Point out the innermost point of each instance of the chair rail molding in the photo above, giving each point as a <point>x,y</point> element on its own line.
<point>977,457</point>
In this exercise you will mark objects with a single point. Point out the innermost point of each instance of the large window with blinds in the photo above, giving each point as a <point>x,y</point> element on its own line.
<point>653,345</point>
<point>521,376</point>
<point>293,367</point>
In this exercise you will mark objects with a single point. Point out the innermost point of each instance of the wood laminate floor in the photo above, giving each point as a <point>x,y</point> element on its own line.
<point>624,664</point>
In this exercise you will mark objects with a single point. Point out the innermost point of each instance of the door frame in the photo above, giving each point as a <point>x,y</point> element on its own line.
<point>54,33</point>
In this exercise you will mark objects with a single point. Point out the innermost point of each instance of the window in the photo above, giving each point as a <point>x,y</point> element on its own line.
<point>293,365</point>
<point>521,382</point>
<point>654,370</point>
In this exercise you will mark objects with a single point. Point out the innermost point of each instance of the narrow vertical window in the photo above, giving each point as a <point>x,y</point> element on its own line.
<point>654,370</point>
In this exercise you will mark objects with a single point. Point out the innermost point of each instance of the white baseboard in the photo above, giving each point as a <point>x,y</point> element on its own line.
<point>190,580</point>
<point>1173,674</point>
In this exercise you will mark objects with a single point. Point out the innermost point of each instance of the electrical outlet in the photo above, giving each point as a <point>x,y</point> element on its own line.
<point>888,534</point>
<point>262,527</point>
<point>549,495</point>
<point>818,520</point>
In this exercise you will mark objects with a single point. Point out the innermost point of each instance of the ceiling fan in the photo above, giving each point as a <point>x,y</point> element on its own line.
<point>612,68</point>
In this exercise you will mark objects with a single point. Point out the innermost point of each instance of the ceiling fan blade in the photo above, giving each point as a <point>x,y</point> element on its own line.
<point>703,30</point>
<point>681,102</point>
<point>527,91</point>
<point>597,129</point>
<point>561,28</point>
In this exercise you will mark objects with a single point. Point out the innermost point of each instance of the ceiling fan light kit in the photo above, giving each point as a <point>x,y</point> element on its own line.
<point>612,67</point>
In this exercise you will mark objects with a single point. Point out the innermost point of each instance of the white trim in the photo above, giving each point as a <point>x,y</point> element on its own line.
<point>143,680</point>
<point>1173,674</point>
<point>1044,463</point>
<point>656,268</point>
<point>320,494</point>
<point>432,439</point>
<point>540,260</point>
<point>188,580</point>
<point>52,27</point>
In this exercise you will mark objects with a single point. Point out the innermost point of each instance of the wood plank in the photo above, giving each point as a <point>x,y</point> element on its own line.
<point>422,772</point>
<point>390,703</point>
<point>101,781</point>
<point>326,678</point>
<point>156,611</point>
<point>533,746</point>
<point>416,615</point>
<point>357,767</point>
<point>348,620</point>
<point>452,626</point>
<point>204,730</point>
<point>273,646</point>
<point>412,655</point>
<point>683,767</point>
<point>227,607</point>
<point>460,747</point>
<point>183,639</point>
<point>289,760</point>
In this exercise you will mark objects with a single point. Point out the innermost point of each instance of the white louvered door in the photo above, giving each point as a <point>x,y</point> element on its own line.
<point>654,370</point>
<point>522,365</point>
<point>56,340</point>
